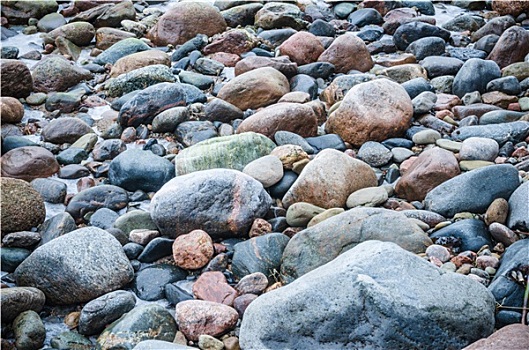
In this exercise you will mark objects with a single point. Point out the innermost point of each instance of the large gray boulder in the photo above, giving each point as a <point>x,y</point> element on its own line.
<point>76,267</point>
<point>323,242</point>
<point>222,202</point>
<point>375,296</point>
<point>519,208</point>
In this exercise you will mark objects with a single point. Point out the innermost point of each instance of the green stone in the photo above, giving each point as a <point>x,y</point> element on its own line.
<point>71,341</point>
<point>231,152</point>
<point>36,99</point>
<point>520,70</point>
<point>86,142</point>
<point>139,79</point>
<point>135,220</point>
<point>467,165</point>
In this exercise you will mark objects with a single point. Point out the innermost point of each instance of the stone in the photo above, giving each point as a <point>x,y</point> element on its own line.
<point>348,52</point>
<point>472,233</point>
<point>133,220</point>
<point>518,205</point>
<point>405,72</point>
<point>184,21</point>
<point>220,110</point>
<point>426,137</point>
<point>168,120</point>
<point>389,114</point>
<point>501,133</point>
<point>79,33</point>
<point>213,286</point>
<point>424,102</point>
<point>257,88</point>
<point>11,258</point>
<point>437,66</point>
<point>150,321</point>
<point>367,197</point>
<point>67,340</point>
<point>321,181</point>
<point>235,41</point>
<point>56,73</point>
<point>374,154</point>
<point>160,345</point>
<point>109,15</point>
<point>139,79</point>
<point>193,250</point>
<point>507,337</point>
<point>508,85</point>
<point>91,199</point>
<point>500,116</point>
<point>513,8</point>
<point>51,191</point>
<point>429,170</point>
<point>149,283</point>
<point>241,15</point>
<point>474,75</point>
<point>453,196</point>
<point>286,116</point>
<point>197,317</point>
<point>21,239</point>
<point>278,15</point>
<point>325,215</point>
<point>11,110</point>
<point>412,31</point>
<point>244,199</point>
<point>476,148</point>
<point>108,149</point>
<point>56,226</point>
<point>16,300</point>
<point>103,218</point>
<point>106,37</point>
<point>232,152</point>
<point>158,248</point>
<point>22,206</point>
<point>281,63</point>
<point>254,283</point>
<point>502,234</point>
<point>428,46</point>
<point>511,47</point>
<point>121,49</point>
<point>15,78</point>
<point>302,48</point>
<point>21,12</point>
<point>360,284</point>
<point>29,331</point>
<point>67,277</point>
<point>300,213</point>
<point>65,130</point>
<point>268,170</point>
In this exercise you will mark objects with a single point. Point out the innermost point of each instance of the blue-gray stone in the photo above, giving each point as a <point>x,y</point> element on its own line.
<point>474,75</point>
<point>149,283</point>
<point>121,49</point>
<point>501,133</point>
<point>519,208</point>
<point>473,234</point>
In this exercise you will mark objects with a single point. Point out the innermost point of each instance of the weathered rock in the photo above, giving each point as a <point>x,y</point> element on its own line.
<point>193,250</point>
<point>254,283</point>
<point>512,47</point>
<point>302,48</point>
<point>29,331</point>
<point>108,15</point>
<point>360,283</point>
<point>323,242</point>
<point>519,207</point>
<point>501,133</point>
<point>65,130</point>
<point>478,148</point>
<point>121,49</point>
<point>472,233</point>
<point>56,226</point>
<point>67,276</point>
<point>508,337</point>
<point>139,60</point>
<point>278,15</point>
<point>160,345</point>
<point>11,110</point>
<point>79,33</point>
<point>294,117</point>
<point>68,340</point>
<point>374,153</point>
<point>232,152</point>
<point>184,21</point>
<point>241,15</point>
<point>474,75</point>
<point>151,321</point>
<point>268,170</point>
<point>139,79</point>
<point>106,37</point>
<point>389,114</point>
<point>257,88</point>
<point>235,41</point>
<point>412,31</point>
<point>367,197</point>
<point>91,199</point>
<point>15,77</point>
<point>348,52</point>
<point>461,194</point>
<point>19,299</point>
<point>513,8</point>
<point>213,286</point>
<point>56,73</point>
<point>149,283</point>
<point>221,202</point>
<point>429,170</point>
<point>281,63</point>
<point>19,12</point>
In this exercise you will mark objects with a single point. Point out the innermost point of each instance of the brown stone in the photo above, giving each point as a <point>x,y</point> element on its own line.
<point>295,97</point>
<point>11,110</point>
<point>235,41</point>
<point>257,88</point>
<point>15,79</point>
<point>139,60</point>
<point>302,48</point>
<point>106,37</point>
<point>329,179</point>
<point>28,163</point>
<point>510,7</point>
<point>502,234</point>
<point>289,154</point>
<point>514,336</point>
<point>254,283</point>
<point>394,18</point>
<point>213,286</point>
<point>282,64</point>
<point>395,59</point>
<point>294,117</point>
<point>497,211</point>
<point>196,317</point>
<point>431,168</point>
<point>231,343</point>
<point>477,109</point>
<point>380,5</point>
<point>405,72</point>
<point>56,73</point>
<point>512,47</point>
<point>348,52</point>
<point>372,111</point>
<point>227,59</point>
<point>184,21</point>
<point>446,101</point>
<point>65,130</point>
<point>242,302</point>
<point>260,227</point>
<point>193,250</point>
<point>498,98</point>
<point>22,206</point>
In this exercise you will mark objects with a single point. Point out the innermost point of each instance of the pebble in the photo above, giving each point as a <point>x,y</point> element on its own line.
<point>367,197</point>
<point>438,252</point>
<point>426,137</point>
<point>193,250</point>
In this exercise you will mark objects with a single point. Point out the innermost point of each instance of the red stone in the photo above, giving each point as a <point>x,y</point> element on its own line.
<point>212,286</point>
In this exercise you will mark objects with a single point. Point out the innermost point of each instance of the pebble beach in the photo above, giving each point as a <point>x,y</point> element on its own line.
<point>264,175</point>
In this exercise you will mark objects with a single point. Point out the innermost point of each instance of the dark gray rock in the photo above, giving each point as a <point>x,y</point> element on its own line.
<point>425,7</point>
<point>222,111</point>
<point>91,199</point>
<point>508,85</point>
<point>304,83</point>
<point>277,36</point>
<point>323,242</point>
<point>76,267</point>
<point>194,131</point>
<point>9,52</point>
<point>501,133</point>
<point>132,250</point>
<point>242,15</point>
<point>222,202</point>
<point>374,153</point>
<point>12,142</point>
<point>21,239</point>
<point>121,49</point>
<point>464,53</point>
<point>19,299</point>
<point>437,66</point>
<point>487,43</point>
<point>197,43</point>
<point>473,191</point>
<point>56,226</point>
<point>279,189</point>
<point>463,23</point>
<point>320,143</point>
<point>140,170</point>
<point>135,219</point>
<point>424,47</point>
<point>103,218</point>
<point>73,171</point>
<point>151,321</point>
<point>317,69</point>
<point>71,340</point>
<point>366,16</point>
<point>500,116</point>
<point>168,120</point>
<point>322,28</point>
<point>72,155</point>
<point>149,283</point>
<point>474,75</point>
<point>416,86</point>
<point>398,142</point>
<point>259,254</point>
<point>65,130</point>
<point>52,191</point>
<point>473,234</point>
<point>12,257</point>
<point>519,208</point>
<point>343,9</point>
<point>409,32</point>
<point>362,300</point>
<point>29,331</point>
<point>371,33</point>
<point>108,149</point>
<point>495,26</point>
<point>199,80</point>
<point>283,137</point>
<point>175,294</point>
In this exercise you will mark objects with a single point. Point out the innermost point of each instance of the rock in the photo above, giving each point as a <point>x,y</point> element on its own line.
<point>281,63</point>
<point>121,49</point>
<point>325,241</point>
<point>519,70</point>
<point>428,46</point>
<point>268,170</point>
<point>160,345</point>
<point>151,321</point>
<point>29,331</point>
<point>508,85</point>
<point>55,73</point>
<point>321,181</point>
<point>91,199</point>
<point>374,153</point>
<point>109,15</point>
<point>472,233</point>
<point>56,226</point>
<point>184,21</point>
<point>389,115</point>
<point>500,116</point>
<point>365,16</point>
<point>502,234</point>
<point>50,22</point>
<point>505,338</point>
<point>244,199</point>
<point>11,110</point>
<point>300,213</point>
<point>21,239</point>
<point>213,286</point>
<point>254,283</point>
<point>302,48</point>
<point>257,88</point>
<point>139,79</point>
<point>501,133</point>
<point>426,137</point>
<point>149,283</point>
<point>22,206</point>
<point>106,37</point>
<point>495,26</point>
<point>51,191</point>
<point>144,106</point>
<point>511,47</point>
<point>279,189</point>
<point>11,142</point>
<point>79,33</point>
<point>19,299</point>
<point>12,257</point>
<point>412,31</point>
<point>294,117</point>
<point>233,152</point>
<point>68,340</point>
<point>67,277</point>
<point>208,342</point>
<point>73,171</point>
<point>438,66</point>
<point>518,204</point>
<point>513,8</point>
<point>348,52</point>
<point>241,15</point>
<point>278,15</point>
<point>220,110</point>
<point>367,197</point>
<point>193,250</point>
<point>133,220</point>
<point>235,41</point>
<point>16,79</point>
<point>65,130</point>
<point>140,170</point>
<point>103,218</point>
<point>376,289</point>
<point>156,249</point>
<point>196,317</point>
<point>474,75</point>
<point>21,11</point>
<point>477,148</point>
<point>108,149</point>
